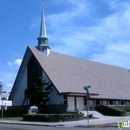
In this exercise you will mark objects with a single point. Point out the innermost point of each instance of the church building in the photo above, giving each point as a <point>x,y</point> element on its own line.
<point>65,76</point>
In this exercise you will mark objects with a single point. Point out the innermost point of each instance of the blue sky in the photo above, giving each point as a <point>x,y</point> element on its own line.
<point>97,30</point>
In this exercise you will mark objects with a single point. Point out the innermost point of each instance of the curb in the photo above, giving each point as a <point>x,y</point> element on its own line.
<point>20,123</point>
<point>58,125</point>
<point>99,125</point>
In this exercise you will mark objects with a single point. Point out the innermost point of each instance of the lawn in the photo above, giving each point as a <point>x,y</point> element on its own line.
<point>127,113</point>
<point>13,118</point>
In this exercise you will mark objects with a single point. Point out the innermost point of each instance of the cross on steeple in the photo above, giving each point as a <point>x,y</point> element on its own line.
<point>42,39</point>
<point>42,3</point>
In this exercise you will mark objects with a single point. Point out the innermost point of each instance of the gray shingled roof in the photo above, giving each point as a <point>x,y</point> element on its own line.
<point>70,74</point>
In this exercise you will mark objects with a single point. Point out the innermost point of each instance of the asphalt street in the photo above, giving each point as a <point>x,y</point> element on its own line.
<point>29,127</point>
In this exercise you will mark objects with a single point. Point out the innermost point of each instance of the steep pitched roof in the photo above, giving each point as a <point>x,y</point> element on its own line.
<point>70,74</point>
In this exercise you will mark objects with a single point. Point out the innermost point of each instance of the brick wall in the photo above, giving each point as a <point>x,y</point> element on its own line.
<point>105,102</point>
<point>90,102</point>
<point>128,103</point>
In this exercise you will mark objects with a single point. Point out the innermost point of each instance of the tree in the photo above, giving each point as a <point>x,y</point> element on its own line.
<point>39,97</point>
<point>42,92</point>
<point>1,86</point>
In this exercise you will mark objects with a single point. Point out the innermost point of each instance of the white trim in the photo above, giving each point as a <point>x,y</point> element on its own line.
<point>122,104</point>
<point>113,104</point>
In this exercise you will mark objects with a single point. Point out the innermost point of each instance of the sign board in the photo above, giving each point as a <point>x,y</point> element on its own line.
<point>33,110</point>
<point>86,87</point>
<point>87,94</point>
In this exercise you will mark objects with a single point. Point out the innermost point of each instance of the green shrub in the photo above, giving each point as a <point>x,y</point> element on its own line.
<point>53,109</point>
<point>9,113</point>
<point>13,112</point>
<point>125,108</point>
<point>107,110</point>
<point>51,117</point>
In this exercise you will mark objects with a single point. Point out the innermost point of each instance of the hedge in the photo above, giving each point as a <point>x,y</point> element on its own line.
<point>51,117</point>
<point>12,113</point>
<point>125,108</point>
<point>53,109</point>
<point>48,109</point>
<point>107,110</point>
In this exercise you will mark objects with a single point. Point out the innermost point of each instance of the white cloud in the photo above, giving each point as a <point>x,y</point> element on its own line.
<point>106,41</point>
<point>7,78</point>
<point>9,63</point>
<point>71,16</point>
<point>114,35</point>
<point>17,62</point>
<point>87,30</point>
<point>9,85</point>
<point>35,23</point>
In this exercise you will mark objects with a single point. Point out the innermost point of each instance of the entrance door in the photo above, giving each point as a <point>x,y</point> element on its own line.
<point>71,106</point>
<point>80,103</point>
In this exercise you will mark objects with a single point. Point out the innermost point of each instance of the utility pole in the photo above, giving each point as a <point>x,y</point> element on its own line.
<point>87,98</point>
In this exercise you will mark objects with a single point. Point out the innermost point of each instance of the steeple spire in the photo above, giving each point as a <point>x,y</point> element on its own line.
<point>42,39</point>
<point>43,26</point>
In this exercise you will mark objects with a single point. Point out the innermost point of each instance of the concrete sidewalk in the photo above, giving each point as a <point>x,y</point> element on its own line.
<point>104,121</point>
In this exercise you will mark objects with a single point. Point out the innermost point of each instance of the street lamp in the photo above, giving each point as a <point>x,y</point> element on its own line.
<point>87,97</point>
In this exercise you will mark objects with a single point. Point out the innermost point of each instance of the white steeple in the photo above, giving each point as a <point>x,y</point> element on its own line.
<point>43,26</point>
<point>42,39</point>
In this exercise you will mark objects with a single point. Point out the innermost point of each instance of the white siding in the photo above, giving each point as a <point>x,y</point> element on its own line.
<point>21,86</point>
<point>80,103</point>
<point>71,104</point>
<point>5,103</point>
<point>54,97</point>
